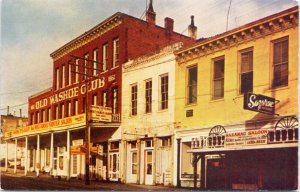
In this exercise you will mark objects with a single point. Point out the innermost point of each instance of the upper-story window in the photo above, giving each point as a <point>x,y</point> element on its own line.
<point>55,112</point>
<point>48,114</point>
<point>76,70</point>
<point>62,110</point>
<point>280,62</point>
<point>104,99</point>
<point>63,76</point>
<point>218,78</point>
<point>246,71</point>
<point>95,64</point>
<point>75,107</point>
<point>164,89</point>
<point>192,85</point>
<point>43,116</point>
<point>85,66</point>
<point>69,73</point>
<point>148,96</point>
<point>37,117</point>
<point>104,57</point>
<point>95,99</point>
<point>134,99</point>
<point>57,79</point>
<point>68,114</point>
<point>115,52</point>
<point>115,101</point>
<point>31,118</point>
<point>84,104</point>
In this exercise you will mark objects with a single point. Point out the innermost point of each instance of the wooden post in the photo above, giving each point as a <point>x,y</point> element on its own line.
<point>195,169</point>
<point>51,154</point>
<point>16,146</point>
<point>38,166</point>
<point>68,155</point>
<point>26,156</point>
<point>202,178</point>
<point>6,156</point>
<point>178,162</point>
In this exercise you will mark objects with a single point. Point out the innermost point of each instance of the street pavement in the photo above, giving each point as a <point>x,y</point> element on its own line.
<point>11,181</point>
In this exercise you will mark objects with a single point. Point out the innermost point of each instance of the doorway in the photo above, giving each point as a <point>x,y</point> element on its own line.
<point>148,167</point>
<point>215,177</point>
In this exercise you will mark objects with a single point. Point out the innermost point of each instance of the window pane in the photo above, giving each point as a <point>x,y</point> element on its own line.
<point>280,63</point>
<point>192,85</point>
<point>218,90</point>
<point>219,69</point>
<point>246,82</point>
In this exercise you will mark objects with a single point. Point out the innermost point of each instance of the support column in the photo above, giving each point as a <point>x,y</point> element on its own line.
<point>178,162</point>
<point>202,172</point>
<point>51,155</point>
<point>154,159</point>
<point>26,156</point>
<point>16,146</point>
<point>38,156</point>
<point>138,143</point>
<point>6,156</point>
<point>195,161</point>
<point>68,155</point>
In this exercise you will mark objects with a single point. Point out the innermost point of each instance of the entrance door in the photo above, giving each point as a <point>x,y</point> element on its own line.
<point>114,166</point>
<point>215,174</point>
<point>61,161</point>
<point>149,167</point>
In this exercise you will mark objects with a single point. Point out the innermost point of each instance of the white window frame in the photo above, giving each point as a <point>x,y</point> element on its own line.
<point>116,45</point>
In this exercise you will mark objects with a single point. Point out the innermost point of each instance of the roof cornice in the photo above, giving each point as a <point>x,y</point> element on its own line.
<point>251,31</point>
<point>88,36</point>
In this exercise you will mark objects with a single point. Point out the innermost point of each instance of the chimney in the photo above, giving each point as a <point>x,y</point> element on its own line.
<point>169,24</point>
<point>7,110</point>
<point>150,14</point>
<point>20,112</point>
<point>192,29</point>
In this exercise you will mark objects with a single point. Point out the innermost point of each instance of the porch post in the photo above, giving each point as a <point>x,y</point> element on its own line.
<point>68,155</point>
<point>26,156</point>
<point>51,155</point>
<point>202,175</point>
<point>195,161</point>
<point>6,156</point>
<point>15,166</point>
<point>178,162</point>
<point>38,166</point>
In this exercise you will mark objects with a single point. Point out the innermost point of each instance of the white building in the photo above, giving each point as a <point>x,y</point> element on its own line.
<point>148,99</point>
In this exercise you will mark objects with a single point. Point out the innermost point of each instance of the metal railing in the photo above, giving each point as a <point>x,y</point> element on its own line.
<point>283,135</point>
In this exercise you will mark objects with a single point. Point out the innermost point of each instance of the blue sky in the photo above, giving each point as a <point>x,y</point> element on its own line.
<point>32,29</point>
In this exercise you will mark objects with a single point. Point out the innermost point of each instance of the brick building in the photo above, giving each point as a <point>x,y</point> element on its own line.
<point>88,71</point>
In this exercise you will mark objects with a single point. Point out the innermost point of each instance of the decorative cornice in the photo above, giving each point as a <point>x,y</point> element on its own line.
<point>88,36</point>
<point>40,93</point>
<point>249,32</point>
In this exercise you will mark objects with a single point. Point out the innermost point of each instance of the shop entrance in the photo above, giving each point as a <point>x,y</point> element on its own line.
<point>215,177</point>
<point>149,167</point>
<point>114,166</point>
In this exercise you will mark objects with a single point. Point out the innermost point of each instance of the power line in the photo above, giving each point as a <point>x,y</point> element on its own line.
<point>228,15</point>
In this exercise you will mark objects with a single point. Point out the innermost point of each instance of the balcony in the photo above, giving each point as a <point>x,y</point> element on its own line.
<point>116,118</point>
<point>283,135</point>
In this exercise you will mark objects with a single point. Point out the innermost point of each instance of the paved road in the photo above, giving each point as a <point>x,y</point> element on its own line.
<point>10,181</point>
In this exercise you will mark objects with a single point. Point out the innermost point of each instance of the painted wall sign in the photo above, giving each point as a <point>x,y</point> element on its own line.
<point>69,93</point>
<point>246,138</point>
<point>60,124</point>
<point>259,103</point>
<point>100,113</point>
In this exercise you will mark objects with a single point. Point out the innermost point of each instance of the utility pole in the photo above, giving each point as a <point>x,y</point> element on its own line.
<point>87,136</point>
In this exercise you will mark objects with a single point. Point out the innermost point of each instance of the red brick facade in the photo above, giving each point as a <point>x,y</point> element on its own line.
<point>136,38</point>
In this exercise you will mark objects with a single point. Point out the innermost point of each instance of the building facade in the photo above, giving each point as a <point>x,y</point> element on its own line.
<point>238,121</point>
<point>148,117</point>
<point>87,76</point>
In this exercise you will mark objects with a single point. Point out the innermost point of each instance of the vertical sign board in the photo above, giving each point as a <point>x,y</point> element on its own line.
<point>259,103</point>
<point>100,113</point>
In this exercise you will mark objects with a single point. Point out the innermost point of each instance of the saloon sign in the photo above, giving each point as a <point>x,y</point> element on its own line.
<point>259,103</point>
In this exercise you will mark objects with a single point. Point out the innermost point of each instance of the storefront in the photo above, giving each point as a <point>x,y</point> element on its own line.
<point>247,159</point>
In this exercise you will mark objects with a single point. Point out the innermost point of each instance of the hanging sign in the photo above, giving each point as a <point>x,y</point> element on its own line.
<point>259,103</point>
<point>100,113</point>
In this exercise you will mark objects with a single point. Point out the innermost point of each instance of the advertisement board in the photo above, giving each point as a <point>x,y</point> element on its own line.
<point>100,113</point>
<point>246,138</point>
<point>259,103</point>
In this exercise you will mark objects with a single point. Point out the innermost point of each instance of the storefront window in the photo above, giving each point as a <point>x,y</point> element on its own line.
<point>134,162</point>
<point>186,161</point>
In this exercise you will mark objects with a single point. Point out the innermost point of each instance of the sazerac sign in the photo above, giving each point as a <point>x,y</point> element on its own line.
<point>100,113</point>
<point>259,103</point>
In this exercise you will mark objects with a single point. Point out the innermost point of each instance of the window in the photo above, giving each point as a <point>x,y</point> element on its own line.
<point>104,99</point>
<point>68,114</point>
<point>134,162</point>
<point>148,95</point>
<point>115,52</point>
<point>115,101</point>
<point>280,62</point>
<point>192,85</point>
<point>62,110</point>
<point>75,108</point>
<point>148,143</point>
<point>105,57</point>
<point>95,59</point>
<point>95,99</point>
<point>49,114</point>
<point>83,104</point>
<point>85,70</point>
<point>76,70</point>
<point>55,115</point>
<point>63,77</point>
<point>57,78</point>
<point>43,116</point>
<point>166,142</point>
<point>218,78</point>
<point>164,91</point>
<point>31,118</point>
<point>134,99</point>
<point>37,117</point>
<point>69,73</point>
<point>246,71</point>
